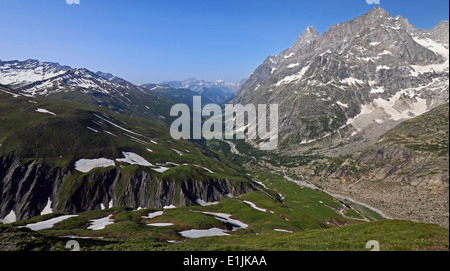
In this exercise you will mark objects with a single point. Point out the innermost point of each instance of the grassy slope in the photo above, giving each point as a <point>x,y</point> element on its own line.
<point>391,235</point>
<point>61,140</point>
<point>302,211</point>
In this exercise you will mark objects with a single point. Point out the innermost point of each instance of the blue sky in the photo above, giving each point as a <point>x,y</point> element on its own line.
<point>157,40</point>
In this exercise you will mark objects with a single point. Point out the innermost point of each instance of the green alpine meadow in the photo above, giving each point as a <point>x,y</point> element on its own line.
<point>359,108</point>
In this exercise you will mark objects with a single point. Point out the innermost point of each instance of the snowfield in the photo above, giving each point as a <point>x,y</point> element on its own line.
<point>86,165</point>
<point>153,215</point>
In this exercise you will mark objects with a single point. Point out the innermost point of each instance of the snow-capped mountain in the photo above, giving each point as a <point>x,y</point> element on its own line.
<point>35,78</point>
<point>354,82</point>
<point>20,73</point>
<point>43,78</point>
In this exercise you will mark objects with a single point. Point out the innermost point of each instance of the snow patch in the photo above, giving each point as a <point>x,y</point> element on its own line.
<point>115,125</point>
<point>109,133</point>
<point>10,218</point>
<point>436,47</point>
<point>47,209</point>
<point>371,112</point>
<point>10,93</point>
<point>45,111</point>
<point>377,90</point>
<point>92,129</point>
<point>383,67</point>
<point>101,223</point>
<point>283,230</point>
<point>290,66</point>
<point>160,224</point>
<point>154,214</point>
<point>290,55</point>
<point>342,104</point>
<point>226,218</point>
<point>293,78</point>
<point>191,234</point>
<point>254,206</point>
<point>161,169</point>
<point>385,53</point>
<point>134,159</point>
<point>352,81</point>
<point>204,203</point>
<point>177,151</point>
<point>47,224</point>
<point>416,70</point>
<point>86,165</point>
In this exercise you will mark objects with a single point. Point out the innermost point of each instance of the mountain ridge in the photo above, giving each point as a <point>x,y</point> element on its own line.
<point>217,91</point>
<point>361,77</point>
<point>48,79</point>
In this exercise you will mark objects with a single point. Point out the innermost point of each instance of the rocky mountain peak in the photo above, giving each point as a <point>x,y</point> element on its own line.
<point>404,22</point>
<point>378,12</point>
<point>308,35</point>
<point>440,32</point>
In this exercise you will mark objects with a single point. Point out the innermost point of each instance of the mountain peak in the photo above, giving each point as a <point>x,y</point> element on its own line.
<point>379,12</point>
<point>310,32</point>
<point>442,23</point>
<point>308,35</point>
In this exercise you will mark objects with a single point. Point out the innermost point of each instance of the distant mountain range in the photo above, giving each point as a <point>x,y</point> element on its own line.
<point>217,91</point>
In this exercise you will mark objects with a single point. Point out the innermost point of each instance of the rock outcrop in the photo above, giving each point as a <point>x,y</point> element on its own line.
<point>30,189</point>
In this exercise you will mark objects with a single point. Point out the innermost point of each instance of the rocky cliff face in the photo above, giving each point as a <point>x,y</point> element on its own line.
<point>353,83</point>
<point>30,189</point>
